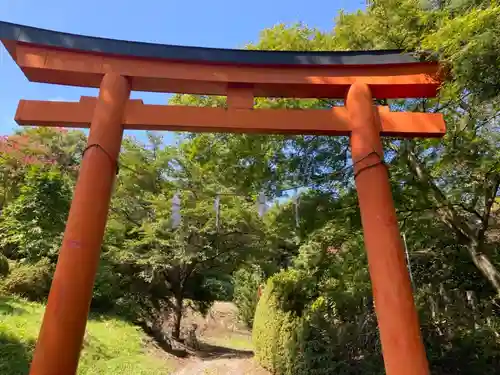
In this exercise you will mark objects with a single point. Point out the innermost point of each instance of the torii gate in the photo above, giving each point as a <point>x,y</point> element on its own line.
<point>117,67</point>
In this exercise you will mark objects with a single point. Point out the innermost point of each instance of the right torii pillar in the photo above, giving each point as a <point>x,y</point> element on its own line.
<point>402,345</point>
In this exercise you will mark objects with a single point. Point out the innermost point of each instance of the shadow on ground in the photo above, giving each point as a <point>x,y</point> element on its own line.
<point>15,355</point>
<point>209,351</point>
<point>205,351</point>
<point>6,307</point>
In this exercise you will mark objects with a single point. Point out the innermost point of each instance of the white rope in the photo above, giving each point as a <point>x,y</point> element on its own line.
<point>408,264</point>
<point>176,211</point>
<point>261,202</point>
<point>217,210</point>
<point>296,199</point>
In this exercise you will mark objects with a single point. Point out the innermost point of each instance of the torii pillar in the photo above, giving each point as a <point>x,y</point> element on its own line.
<point>63,328</point>
<point>397,318</point>
<point>117,67</point>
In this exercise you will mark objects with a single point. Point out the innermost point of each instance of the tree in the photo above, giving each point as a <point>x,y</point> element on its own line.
<point>446,194</point>
<point>32,225</point>
<point>457,178</point>
<point>445,190</point>
<point>179,261</point>
<point>37,147</point>
<point>38,167</point>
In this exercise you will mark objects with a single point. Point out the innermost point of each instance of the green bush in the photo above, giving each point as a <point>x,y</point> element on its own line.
<point>274,332</point>
<point>245,295</point>
<point>219,286</point>
<point>336,331</point>
<point>29,280</point>
<point>298,332</point>
<point>109,287</point>
<point>4,266</point>
<point>460,336</point>
<point>317,317</point>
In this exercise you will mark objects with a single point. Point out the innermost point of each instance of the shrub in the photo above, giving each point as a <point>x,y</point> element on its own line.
<point>30,280</point>
<point>336,331</point>
<point>4,266</point>
<point>245,295</point>
<point>274,330</point>
<point>299,332</point>
<point>460,333</point>
<point>219,286</point>
<point>109,287</point>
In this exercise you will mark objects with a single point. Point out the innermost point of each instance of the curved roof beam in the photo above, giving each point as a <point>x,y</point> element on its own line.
<point>49,38</point>
<point>78,60</point>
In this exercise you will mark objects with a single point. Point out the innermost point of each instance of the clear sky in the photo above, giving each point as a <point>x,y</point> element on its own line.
<point>213,23</point>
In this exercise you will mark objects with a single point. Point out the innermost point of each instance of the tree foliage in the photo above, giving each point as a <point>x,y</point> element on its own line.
<point>33,223</point>
<point>247,284</point>
<point>317,307</point>
<point>178,263</point>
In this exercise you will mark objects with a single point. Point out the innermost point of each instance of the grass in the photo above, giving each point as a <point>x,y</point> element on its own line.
<point>235,341</point>
<point>221,327</point>
<point>111,346</point>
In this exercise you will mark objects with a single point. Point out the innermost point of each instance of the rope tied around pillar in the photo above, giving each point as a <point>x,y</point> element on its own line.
<point>97,145</point>
<point>379,162</point>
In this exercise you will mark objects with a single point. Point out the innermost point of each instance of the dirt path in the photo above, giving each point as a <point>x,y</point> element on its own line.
<point>222,366</point>
<point>225,345</point>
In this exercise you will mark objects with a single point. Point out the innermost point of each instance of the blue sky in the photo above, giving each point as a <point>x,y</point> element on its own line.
<point>215,23</point>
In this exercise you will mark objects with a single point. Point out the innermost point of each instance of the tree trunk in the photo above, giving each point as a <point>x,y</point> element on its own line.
<point>448,214</point>
<point>484,264</point>
<point>176,333</point>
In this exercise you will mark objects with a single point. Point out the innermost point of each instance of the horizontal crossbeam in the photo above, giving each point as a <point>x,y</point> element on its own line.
<point>142,116</point>
<point>76,68</point>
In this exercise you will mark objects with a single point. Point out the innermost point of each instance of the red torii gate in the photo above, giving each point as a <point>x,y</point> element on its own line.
<point>117,67</point>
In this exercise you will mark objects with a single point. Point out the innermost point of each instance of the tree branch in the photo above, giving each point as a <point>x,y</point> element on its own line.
<point>489,200</point>
<point>123,212</point>
<point>446,211</point>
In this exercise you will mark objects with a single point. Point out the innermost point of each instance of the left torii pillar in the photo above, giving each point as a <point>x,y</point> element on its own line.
<point>60,341</point>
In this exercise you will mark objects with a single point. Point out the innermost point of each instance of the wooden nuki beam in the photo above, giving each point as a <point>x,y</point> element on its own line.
<point>140,116</point>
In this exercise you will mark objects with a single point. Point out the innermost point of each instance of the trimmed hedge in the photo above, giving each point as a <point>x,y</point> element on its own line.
<point>297,332</point>
<point>274,332</point>
<point>246,292</point>
<point>337,333</point>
